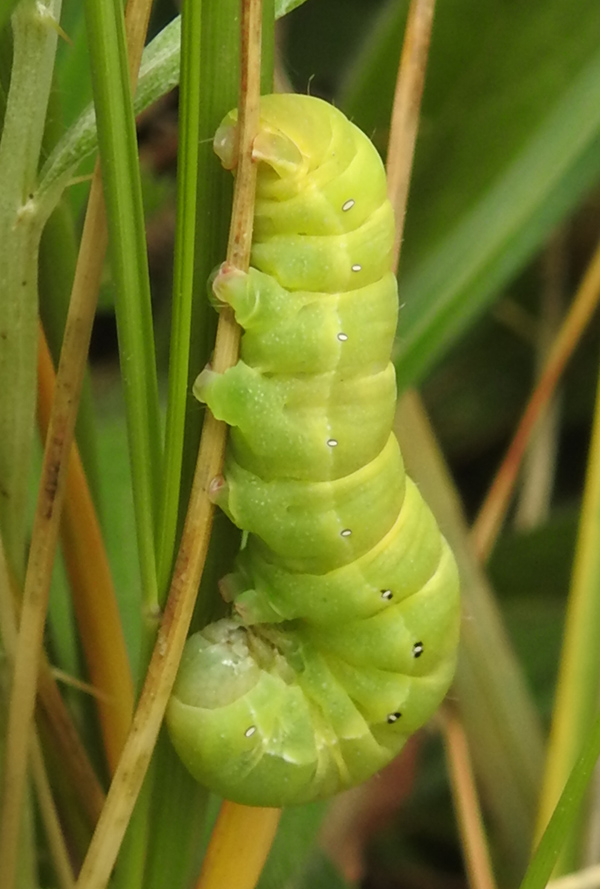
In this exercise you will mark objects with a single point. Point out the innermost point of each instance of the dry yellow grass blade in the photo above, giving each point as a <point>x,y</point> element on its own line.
<point>239,845</point>
<point>94,596</point>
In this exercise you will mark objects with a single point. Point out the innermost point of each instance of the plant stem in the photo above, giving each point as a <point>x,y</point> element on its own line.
<point>35,35</point>
<point>466,802</point>
<point>239,845</point>
<point>489,520</point>
<point>406,110</point>
<point>35,38</point>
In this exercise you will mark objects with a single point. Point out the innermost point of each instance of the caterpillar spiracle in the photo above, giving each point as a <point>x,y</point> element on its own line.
<point>344,627</point>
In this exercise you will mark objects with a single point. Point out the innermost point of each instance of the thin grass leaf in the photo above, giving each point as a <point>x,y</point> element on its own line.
<point>292,847</point>
<point>159,73</point>
<point>578,682</point>
<point>123,195</point>
<point>495,169</point>
<point>208,89</point>
<point>565,813</point>
<point>282,7</point>
<point>183,278</point>
<point>459,278</point>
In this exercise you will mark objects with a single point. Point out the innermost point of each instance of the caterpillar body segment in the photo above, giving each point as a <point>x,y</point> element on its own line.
<point>343,634</point>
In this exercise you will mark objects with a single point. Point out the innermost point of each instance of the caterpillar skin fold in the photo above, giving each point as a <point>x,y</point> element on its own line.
<point>345,612</point>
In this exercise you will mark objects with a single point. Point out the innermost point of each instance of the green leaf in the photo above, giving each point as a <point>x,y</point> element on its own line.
<point>295,838</point>
<point>282,7</point>
<point>6,10</point>
<point>159,73</point>
<point>456,281</point>
<point>565,814</point>
<point>507,147</point>
<point>127,246</point>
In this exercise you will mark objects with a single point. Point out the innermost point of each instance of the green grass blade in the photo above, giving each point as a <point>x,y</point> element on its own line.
<point>127,246</point>
<point>294,843</point>
<point>458,280</point>
<point>507,146</point>
<point>159,73</point>
<point>201,230</point>
<point>578,679</point>
<point>190,94</point>
<point>565,814</point>
<point>6,10</point>
<point>282,7</point>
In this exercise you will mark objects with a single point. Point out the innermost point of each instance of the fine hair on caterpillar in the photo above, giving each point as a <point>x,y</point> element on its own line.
<point>343,630</point>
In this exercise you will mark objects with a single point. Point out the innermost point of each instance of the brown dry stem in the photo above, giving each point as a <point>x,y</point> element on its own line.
<point>49,816</point>
<point>466,800</point>
<point>406,110</point>
<point>493,511</point>
<point>94,596</point>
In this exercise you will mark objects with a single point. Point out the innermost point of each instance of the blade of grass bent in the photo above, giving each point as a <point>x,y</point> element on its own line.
<point>159,73</point>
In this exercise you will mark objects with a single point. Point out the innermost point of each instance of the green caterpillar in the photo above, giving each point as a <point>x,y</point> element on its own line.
<point>343,635</point>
